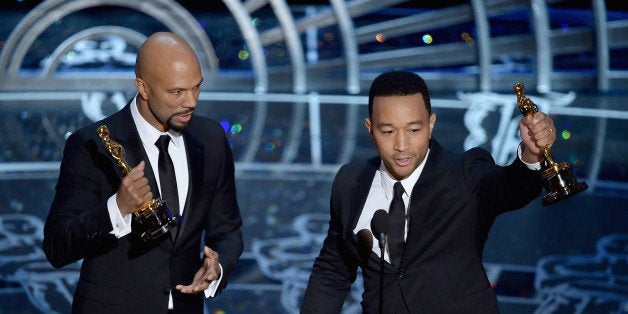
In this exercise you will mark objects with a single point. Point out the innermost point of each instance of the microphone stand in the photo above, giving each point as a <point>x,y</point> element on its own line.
<point>380,225</point>
<point>382,245</point>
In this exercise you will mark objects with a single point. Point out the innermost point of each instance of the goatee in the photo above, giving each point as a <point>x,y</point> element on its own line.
<point>176,128</point>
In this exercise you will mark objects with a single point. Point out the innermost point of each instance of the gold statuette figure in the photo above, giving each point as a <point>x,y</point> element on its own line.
<point>558,179</point>
<point>154,216</point>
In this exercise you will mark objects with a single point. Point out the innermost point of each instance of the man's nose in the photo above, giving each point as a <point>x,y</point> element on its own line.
<point>401,142</point>
<point>191,99</point>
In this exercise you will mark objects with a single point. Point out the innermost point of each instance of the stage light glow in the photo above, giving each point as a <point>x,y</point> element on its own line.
<point>243,55</point>
<point>236,128</point>
<point>269,147</point>
<point>427,38</point>
<point>573,159</point>
<point>565,134</point>
<point>225,125</point>
<point>468,38</point>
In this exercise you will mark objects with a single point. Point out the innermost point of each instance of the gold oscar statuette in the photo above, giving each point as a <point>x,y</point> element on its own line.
<point>154,216</point>
<point>558,179</point>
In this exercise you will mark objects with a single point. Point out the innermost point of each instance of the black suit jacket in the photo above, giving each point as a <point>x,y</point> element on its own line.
<point>453,205</point>
<point>127,275</point>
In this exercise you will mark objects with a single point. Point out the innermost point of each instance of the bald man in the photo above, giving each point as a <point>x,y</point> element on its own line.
<point>92,215</point>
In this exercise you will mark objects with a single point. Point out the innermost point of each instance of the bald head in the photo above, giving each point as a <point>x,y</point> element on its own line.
<point>161,50</point>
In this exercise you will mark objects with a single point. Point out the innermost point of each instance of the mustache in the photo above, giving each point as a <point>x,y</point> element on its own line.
<point>403,156</point>
<point>183,112</point>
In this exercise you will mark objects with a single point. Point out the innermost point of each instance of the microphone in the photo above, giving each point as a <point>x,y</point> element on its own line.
<point>365,243</point>
<point>380,224</point>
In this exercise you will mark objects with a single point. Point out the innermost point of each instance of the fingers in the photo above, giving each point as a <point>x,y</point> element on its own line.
<point>193,288</point>
<point>205,275</point>
<point>537,131</point>
<point>540,129</point>
<point>133,191</point>
<point>209,253</point>
<point>139,167</point>
<point>210,265</point>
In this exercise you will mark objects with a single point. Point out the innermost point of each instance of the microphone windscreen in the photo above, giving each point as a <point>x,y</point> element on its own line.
<point>380,222</point>
<point>365,242</point>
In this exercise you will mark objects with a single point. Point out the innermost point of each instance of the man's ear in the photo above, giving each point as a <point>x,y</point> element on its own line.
<point>369,127</point>
<point>141,88</point>
<point>432,123</point>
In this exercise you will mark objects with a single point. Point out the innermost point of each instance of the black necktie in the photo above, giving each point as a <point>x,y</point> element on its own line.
<point>167,178</point>
<point>397,232</point>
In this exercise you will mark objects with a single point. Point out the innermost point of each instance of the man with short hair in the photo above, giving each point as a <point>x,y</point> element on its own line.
<point>448,203</point>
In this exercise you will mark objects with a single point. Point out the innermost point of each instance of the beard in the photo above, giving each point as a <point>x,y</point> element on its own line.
<point>174,127</point>
<point>181,127</point>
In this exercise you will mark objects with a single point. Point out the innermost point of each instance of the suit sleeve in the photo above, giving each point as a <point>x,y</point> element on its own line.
<point>334,270</point>
<point>78,222</point>
<point>500,189</point>
<point>223,233</point>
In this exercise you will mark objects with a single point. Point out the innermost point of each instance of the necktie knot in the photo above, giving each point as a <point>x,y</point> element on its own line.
<point>163,142</point>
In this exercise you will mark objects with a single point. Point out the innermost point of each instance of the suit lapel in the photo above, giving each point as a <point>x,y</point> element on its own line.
<point>422,193</point>
<point>195,158</point>
<point>359,193</point>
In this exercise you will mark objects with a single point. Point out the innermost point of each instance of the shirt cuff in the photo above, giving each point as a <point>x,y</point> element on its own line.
<point>121,225</point>
<point>534,166</point>
<point>213,286</point>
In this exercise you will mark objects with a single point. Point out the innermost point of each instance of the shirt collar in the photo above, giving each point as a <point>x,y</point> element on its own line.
<point>147,132</point>
<point>408,183</point>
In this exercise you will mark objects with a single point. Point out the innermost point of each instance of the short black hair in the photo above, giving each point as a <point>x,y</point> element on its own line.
<point>399,83</point>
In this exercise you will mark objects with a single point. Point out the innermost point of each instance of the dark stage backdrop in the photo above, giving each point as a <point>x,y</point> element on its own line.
<point>570,257</point>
